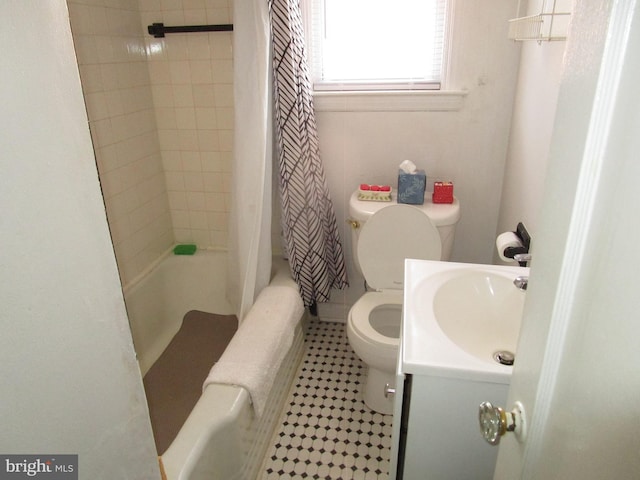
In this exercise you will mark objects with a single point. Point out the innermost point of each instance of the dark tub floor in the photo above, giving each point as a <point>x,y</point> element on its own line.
<point>174,383</point>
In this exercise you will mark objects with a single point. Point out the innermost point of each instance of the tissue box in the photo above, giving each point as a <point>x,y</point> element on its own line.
<point>442,192</point>
<point>411,187</point>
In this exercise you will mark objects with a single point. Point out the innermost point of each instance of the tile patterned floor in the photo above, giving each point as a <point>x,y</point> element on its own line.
<point>326,431</point>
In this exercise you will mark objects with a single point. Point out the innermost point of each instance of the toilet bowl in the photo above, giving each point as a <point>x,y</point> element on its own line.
<point>373,331</point>
<point>384,235</point>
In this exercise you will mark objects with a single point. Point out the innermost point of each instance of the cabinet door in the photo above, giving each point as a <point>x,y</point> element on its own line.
<point>443,439</point>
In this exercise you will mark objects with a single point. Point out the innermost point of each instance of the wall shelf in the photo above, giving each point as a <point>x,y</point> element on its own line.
<point>547,26</point>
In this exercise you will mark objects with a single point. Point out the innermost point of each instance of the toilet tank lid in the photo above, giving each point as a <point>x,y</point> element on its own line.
<point>440,214</point>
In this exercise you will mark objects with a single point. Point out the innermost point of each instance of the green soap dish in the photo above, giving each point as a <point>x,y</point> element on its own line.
<point>185,249</point>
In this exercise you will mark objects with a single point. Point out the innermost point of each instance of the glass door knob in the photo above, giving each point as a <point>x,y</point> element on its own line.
<point>495,422</point>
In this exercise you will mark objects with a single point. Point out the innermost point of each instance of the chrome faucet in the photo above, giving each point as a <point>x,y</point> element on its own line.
<point>521,281</point>
<point>522,258</point>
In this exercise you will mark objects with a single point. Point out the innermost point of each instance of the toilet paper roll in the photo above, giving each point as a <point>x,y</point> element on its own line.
<point>504,240</point>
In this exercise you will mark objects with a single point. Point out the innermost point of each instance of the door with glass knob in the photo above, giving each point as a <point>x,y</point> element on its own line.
<point>495,422</point>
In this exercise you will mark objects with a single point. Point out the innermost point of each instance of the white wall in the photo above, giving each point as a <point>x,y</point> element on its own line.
<point>70,382</point>
<point>466,146</point>
<point>533,120</point>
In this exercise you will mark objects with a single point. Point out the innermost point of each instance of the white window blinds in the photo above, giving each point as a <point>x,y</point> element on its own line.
<point>376,44</point>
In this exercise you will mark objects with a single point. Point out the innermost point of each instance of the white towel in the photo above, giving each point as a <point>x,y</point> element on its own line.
<point>255,353</point>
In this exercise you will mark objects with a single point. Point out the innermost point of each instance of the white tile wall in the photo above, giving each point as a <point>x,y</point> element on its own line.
<point>113,68</point>
<point>192,86</point>
<point>161,117</point>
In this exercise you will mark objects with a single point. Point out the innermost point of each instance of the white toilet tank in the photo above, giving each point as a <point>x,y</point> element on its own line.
<point>444,216</point>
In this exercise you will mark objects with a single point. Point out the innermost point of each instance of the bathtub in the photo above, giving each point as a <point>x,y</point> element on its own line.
<point>222,438</point>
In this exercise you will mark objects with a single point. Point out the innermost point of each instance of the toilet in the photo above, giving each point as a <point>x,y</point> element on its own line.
<point>384,234</point>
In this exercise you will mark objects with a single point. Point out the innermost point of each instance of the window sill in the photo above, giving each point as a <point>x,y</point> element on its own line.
<point>390,101</point>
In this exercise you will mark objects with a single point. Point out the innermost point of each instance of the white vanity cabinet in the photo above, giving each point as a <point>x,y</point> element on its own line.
<point>439,388</point>
<point>438,436</point>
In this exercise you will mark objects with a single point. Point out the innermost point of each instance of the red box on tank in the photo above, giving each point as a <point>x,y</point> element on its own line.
<point>442,192</point>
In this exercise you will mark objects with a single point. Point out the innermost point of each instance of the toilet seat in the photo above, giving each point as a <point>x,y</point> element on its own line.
<point>360,313</point>
<point>381,260</point>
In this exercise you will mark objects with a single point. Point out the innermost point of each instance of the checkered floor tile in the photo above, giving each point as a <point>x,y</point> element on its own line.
<point>327,432</point>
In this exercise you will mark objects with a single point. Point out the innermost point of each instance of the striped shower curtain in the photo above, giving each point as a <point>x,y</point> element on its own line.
<point>309,223</point>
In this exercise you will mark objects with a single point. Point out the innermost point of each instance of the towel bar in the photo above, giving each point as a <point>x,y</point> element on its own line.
<point>159,29</point>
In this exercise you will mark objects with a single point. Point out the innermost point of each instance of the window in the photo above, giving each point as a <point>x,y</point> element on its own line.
<point>376,44</point>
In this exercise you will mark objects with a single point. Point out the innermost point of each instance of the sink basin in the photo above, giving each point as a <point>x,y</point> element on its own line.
<point>458,315</point>
<point>480,312</point>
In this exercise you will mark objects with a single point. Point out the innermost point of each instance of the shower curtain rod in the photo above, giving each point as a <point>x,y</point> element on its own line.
<point>159,29</point>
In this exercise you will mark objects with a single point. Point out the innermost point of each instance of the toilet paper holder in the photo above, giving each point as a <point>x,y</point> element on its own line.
<point>522,233</point>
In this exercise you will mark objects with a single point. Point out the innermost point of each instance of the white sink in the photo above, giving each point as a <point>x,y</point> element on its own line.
<point>458,316</point>
<point>480,311</point>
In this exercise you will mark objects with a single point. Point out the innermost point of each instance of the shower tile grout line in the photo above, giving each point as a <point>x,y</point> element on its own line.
<point>326,431</point>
